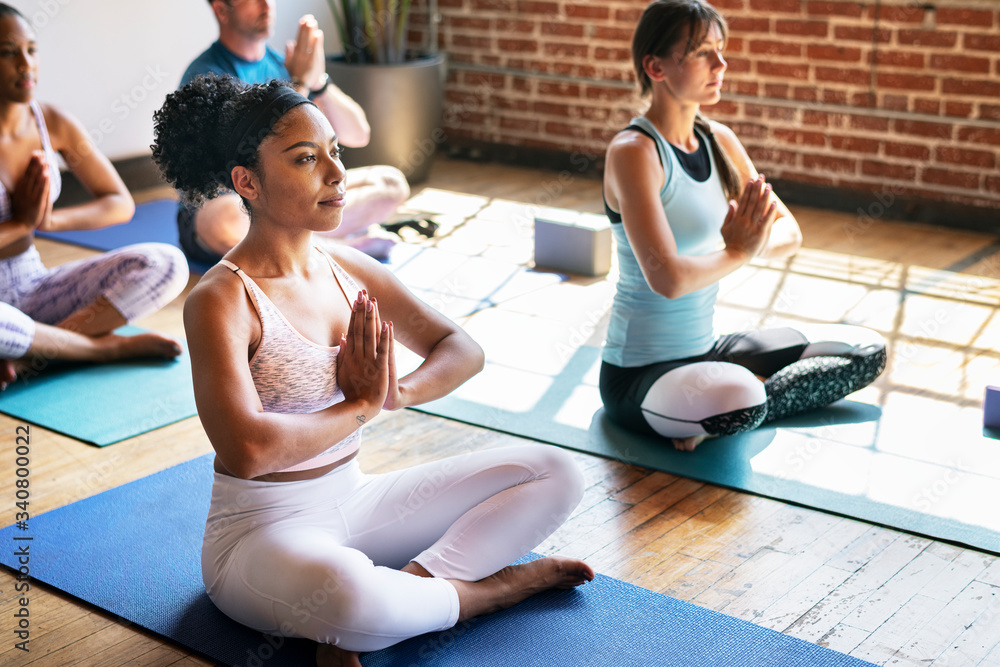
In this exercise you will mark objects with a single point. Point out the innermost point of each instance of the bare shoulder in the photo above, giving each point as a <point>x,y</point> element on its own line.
<point>369,273</point>
<point>62,126</point>
<point>725,136</point>
<point>218,298</point>
<point>630,144</point>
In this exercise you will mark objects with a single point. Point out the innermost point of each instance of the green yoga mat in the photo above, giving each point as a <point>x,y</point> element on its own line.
<point>879,464</point>
<point>104,403</point>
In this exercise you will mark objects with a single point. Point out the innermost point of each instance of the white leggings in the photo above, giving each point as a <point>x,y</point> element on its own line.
<point>320,558</point>
<point>137,280</point>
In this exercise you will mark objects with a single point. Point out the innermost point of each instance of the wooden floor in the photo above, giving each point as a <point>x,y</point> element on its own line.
<point>878,594</point>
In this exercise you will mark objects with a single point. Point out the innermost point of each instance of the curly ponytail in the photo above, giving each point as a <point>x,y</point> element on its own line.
<point>193,133</point>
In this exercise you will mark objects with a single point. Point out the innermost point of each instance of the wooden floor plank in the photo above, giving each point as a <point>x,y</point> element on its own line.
<point>881,646</point>
<point>944,629</point>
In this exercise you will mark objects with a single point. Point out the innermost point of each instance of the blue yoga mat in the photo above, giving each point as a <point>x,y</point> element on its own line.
<point>134,551</point>
<point>153,221</point>
<point>104,403</point>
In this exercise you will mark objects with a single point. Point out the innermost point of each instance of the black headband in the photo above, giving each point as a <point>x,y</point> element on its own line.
<point>256,124</point>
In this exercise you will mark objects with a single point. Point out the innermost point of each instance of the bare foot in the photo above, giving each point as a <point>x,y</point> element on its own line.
<point>113,347</point>
<point>328,655</point>
<point>516,583</point>
<point>688,444</point>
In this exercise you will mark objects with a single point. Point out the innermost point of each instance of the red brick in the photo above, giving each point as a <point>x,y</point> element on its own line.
<point>562,29</point>
<point>981,18</point>
<point>826,8</point>
<point>781,113</point>
<point>537,7</point>
<point>805,93</point>
<point>831,96</point>
<point>800,137</point>
<point>565,130</point>
<point>558,89</point>
<point>993,184</point>
<point>734,44</point>
<point>831,52</point>
<point>829,163</point>
<point>895,102</point>
<point>751,110</point>
<point>927,38</point>
<point>858,77</point>
<point>477,79</point>
<point>818,118</point>
<point>570,69</point>
<point>783,6</point>
<point>924,105</point>
<point>737,65</point>
<point>631,16</point>
<point>806,28</point>
<point>958,109</point>
<point>961,63</point>
<point>865,100</point>
<point>856,34</point>
<point>812,178</point>
<point>746,130</point>
<point>594,114</point>
<point>522,84</point>
<point>746,87</point>
<point>872,123</point>
<point>724,107</point>
<point>728,4</point>
<point>597,92</point>
<point>506,6</point>
<point>966,157</point>
<point>902,172</point>
<point>898,59</point>
<point>898,14</point>
<point>550,109</point>
<point>746,24</point>
<point>520,28</point>
<point>922,128</point>
<point>588,11</point>
<point>979,135</point>
<point>910,151</point>
<point>775,48</point>
<point>971,87</point>
<point>602,53</point>
<point>955,179</point>
<point>989,111</point>
<point>520,125</point>
<point>517,45</point>
<point>563,50</point>
<point>905,81</point>
<point>855,144</point>
<point>465,22</point>
<point>507,104</point>
<point>620,35</point>
<point>979,42</point>
<point>776,90</point>
<point>471,42</point>
<point>783,70</point>
<point>451,4</point>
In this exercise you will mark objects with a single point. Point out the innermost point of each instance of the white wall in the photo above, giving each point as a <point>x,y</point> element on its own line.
<point>111,62</point>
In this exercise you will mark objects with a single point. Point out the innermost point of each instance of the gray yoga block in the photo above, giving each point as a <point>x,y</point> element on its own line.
<point>573,242</point>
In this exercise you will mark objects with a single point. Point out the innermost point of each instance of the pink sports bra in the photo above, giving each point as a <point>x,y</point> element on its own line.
<point>292,374</point>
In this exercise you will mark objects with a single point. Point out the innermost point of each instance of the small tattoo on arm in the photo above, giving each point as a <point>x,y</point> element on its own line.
<point>361,420</point>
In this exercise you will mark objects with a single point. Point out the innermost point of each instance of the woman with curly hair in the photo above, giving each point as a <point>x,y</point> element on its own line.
<point>688,208</point>
<point>70,311</point>
<point>292,350</point>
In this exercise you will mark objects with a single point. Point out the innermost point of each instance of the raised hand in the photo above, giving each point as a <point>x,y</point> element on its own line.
<point>363,361</point>
<point>305,58</point>
<point>748,222</point>
<point>30,202</point>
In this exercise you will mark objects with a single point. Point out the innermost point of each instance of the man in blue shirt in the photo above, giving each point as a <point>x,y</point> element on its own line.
<point>373,193</point>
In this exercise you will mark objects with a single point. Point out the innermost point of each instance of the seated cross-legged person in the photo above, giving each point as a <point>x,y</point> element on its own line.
<point>67,312</point>
<point>242,51</point>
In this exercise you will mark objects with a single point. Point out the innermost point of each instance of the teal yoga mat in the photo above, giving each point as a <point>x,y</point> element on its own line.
<point>134,551</point>
<point>104,403</point>
<point>884,465</point>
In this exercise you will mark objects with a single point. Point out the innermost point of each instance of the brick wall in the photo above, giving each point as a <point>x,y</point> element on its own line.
<point>851,96</point>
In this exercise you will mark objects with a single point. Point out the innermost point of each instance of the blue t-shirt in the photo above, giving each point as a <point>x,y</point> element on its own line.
<point>220,60</point>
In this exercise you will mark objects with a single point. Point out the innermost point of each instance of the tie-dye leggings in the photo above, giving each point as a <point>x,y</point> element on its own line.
<point>136,280</point>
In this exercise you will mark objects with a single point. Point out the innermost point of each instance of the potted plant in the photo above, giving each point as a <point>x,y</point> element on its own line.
<point>401,90</point>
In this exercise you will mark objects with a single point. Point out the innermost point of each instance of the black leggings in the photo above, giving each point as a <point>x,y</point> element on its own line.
<point>717,393</point>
